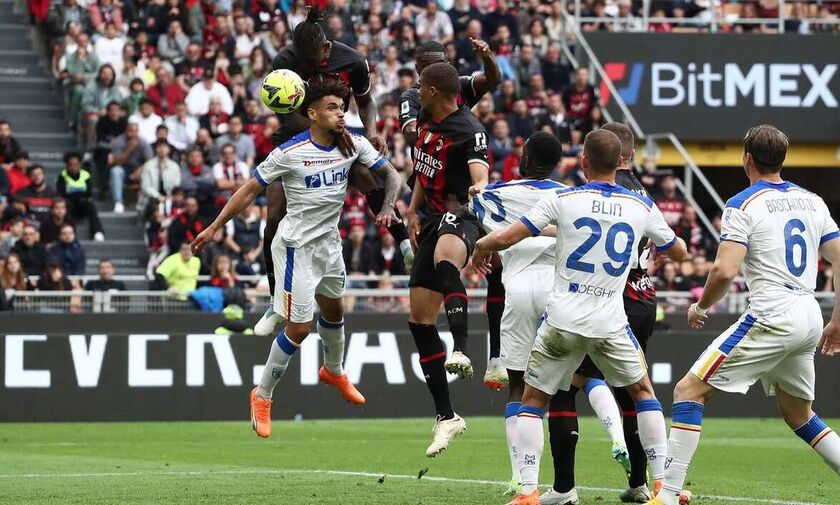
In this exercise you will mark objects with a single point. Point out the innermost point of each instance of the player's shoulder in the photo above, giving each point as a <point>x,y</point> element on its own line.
<point>346,55</point>
<point>285,58</point>
<point>412,93</point>
<point>297,141</point>
<point>744,198</point>
<point>526,184</point>
<point>465,121</point>
<point>593,188</point>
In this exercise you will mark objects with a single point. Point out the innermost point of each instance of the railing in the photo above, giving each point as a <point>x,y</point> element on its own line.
<point>369,301</point>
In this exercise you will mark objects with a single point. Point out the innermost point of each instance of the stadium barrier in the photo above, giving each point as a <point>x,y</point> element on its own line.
<point>131,367</point>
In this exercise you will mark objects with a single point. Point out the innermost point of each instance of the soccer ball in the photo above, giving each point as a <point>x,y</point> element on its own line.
<point>282,91</point>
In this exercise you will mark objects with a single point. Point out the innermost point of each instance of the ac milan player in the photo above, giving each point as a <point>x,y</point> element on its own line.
<point>315,58</point>
<point>451,165</point>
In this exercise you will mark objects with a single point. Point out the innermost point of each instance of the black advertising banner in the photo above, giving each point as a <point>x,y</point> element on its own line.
<point>88,368</point>
<point>713,87</point>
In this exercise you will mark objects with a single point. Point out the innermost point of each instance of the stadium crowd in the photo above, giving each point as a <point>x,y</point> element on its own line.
<point>164,96</point>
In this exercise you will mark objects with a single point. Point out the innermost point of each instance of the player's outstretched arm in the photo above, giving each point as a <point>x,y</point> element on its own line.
<point>730,256</point>
<point>367,112</point>
<point>499,240</point>
<point>830,341</point>
<point>393,183</point>
<point>492,76</point>
<point>240,201</point>
<point>480,176</point>
<point>411,213</point>
<point>678,251</point>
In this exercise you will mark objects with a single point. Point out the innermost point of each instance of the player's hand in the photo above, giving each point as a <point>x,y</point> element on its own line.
<point>413,229</point>
<point>482,261</point>
<point>386,216</point>
<point>695,320</point>
<point>379,143</point>
<point>203,238</point>
<point>344,140</point>
<point>830,341</point>
<point>479,46</point>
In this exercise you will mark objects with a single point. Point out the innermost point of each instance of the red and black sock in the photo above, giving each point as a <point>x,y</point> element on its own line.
<point>375,199</point>
<point>638,458</point>
<point>454,302</point>
<point>563,437</point>
<point>495,308</point>
<point>432,355</point>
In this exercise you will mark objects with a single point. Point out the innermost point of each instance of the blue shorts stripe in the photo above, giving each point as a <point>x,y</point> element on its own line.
<point>737,335</point>
<point>512,409</point>
<point>687,413</point>
<point>648,406</point>
<point>592,384</point>
<point>327,324</point>
<point>632,337</point>
<point>290,268</point>
<point>285,344</point>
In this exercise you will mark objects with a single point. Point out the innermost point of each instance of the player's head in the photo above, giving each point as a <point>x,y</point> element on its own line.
<point>628,142</point>
<point>429,53</point>
<point>438,83</point>
<point>765,149</point>
<point>601,153</point>
<point>311,45</point>
<point>540,156</point>
<point>324,104</point>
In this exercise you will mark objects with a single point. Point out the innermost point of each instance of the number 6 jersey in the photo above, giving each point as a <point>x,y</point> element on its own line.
<point>599,226</point>
<point>782,226</point>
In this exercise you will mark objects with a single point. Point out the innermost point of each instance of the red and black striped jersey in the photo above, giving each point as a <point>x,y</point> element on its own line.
<point>443,154</point>
<point>639,288</point>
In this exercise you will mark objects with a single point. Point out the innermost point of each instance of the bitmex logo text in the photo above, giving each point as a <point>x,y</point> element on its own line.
<point>791,85</point>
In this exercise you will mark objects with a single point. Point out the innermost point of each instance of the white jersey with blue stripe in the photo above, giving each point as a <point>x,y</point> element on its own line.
<point>599,226</point>
<point>782,227</point>
<point>503,203</point>
<point>315,181</point>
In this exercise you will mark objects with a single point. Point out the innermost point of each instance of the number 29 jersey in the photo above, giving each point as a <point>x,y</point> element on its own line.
<point>599,226</point>
<point>782,227</point>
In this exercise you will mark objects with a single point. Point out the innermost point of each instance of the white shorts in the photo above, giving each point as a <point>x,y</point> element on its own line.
<point>557,354</point>
<point>303,272</point>
<point>526,295</point>
<point>778,349</point>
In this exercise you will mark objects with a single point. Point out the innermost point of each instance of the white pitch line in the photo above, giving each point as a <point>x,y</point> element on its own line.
<point>206,473</point>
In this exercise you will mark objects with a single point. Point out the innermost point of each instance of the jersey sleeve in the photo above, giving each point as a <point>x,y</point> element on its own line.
<point>360,77</point>
<point>409,107</point>
<point>658,231</point>
<point>476,149</point>
<point>367,154</point>
<point>829,226</point>
<point>276,165</point>
<point>468,91</point>
<point>284,59</point>
<point>735,226</point>
<point>544,213</point>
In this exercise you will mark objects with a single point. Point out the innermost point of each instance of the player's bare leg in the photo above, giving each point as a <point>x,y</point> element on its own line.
<point>422,321</point>
<point>799,415</point>
<point>363,180</point>
<point>331,331</point>
<point>276,203</point>
<point>603,403</point>
<point>450,256</point>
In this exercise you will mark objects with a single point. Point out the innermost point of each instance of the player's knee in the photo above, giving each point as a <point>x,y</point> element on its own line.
<point>516,388</point>
<point>690,389</point>
<point>297,332</point>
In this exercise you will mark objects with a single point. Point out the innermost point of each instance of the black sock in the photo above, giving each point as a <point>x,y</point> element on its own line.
<point>454,302</point>
<point>270,276</point>
<point>375,199</point>
<point>638,458</point>
<point>432,355</point>
<point>495,308</point>
<point>563,437</point>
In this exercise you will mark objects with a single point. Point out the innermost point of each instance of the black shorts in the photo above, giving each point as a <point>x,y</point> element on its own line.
<point>641,322</point>
<point>465,227</point>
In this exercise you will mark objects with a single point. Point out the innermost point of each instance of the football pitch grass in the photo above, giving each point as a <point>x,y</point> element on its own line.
<point>368,462</point>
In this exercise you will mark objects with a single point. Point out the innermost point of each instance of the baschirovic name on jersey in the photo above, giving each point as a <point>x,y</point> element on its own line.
<point>315,180</point>
<point>599,225</point>
<point>503,203</point>
<point>782,226</point>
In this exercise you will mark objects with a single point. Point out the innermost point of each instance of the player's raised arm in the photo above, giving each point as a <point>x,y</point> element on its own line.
<point>488,81</point>
<point>240,201</point>
<point>370,157</point>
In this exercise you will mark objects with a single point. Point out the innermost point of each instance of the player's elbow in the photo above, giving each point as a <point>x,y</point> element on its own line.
<point>678,251</point>
<point>724,271</point>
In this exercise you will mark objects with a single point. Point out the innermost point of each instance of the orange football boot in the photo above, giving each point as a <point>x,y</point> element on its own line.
<point>342,384</point>
<point>260,414</point>
<point>526,499</point>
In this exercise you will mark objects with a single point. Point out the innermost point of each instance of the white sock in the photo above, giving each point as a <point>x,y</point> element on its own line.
<point>529,436</point>
<point>282,350</point>
<point>652,434</point>
<point>603,403</point>
<point>332,337</point>
<point>823,440</point>
<point>511,411</point>
<point>686,419</point>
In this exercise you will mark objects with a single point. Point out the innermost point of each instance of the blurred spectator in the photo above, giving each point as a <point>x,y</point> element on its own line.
<point>216,120</point>
<point>128,153</point>
<point>129,69</point>
<point>385,258</point>
<point>180,270</point>
<point>98,95</point>
<point>204,141</point>
<point>501,16</point>
<point>275,39</point>
<point>9,147</point>
<point>506,97</point>
<point>626,21</point>
<point>65,12</point>
<point>648,177</point>
<point>230,173</point>
<point>538,97</point>
<point>221,275</point>
<point>536,36</point>
<point>669,202</point>
<point>103,12</point>
<point>109,47</point>
<point>53,279</point>
<point>75,186</point>
<point>32,253</point>
<point>81,67</point>
<point>106,281</point>
<point>67,252</point>
<point>165,94</point>
<point>191,68</point>
<point>527,63</point>
<point>520,121</point>
<point>356,257</point>
<point>136,92</point>
<point>461,14</point>
<point>690,231</point>
<point>183,128</point>
<point>10,236</point>
<point>109,127</point>
<point>162,137</point>
<point>555,120</point>
<point>13,277</point>
<point>510,170</point>
<point>500,144</point>
<point>554,71</point>
<point>243,237</point>
<point>198,99</point>
<point>54,221</point>
<point>262,140</point>
<point>196,176</point>
<point>667,280</point>
<point>433,24</point>
<point>147,121</point>
<point>17,173</point>
<point>160,175</point>
<point>242,142</point>
<point>242,41</point>
<point>38,196</point>
<point>172,45</point>
<point>689,279</point>
<point>185,226</point>
<point>580,97</point>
